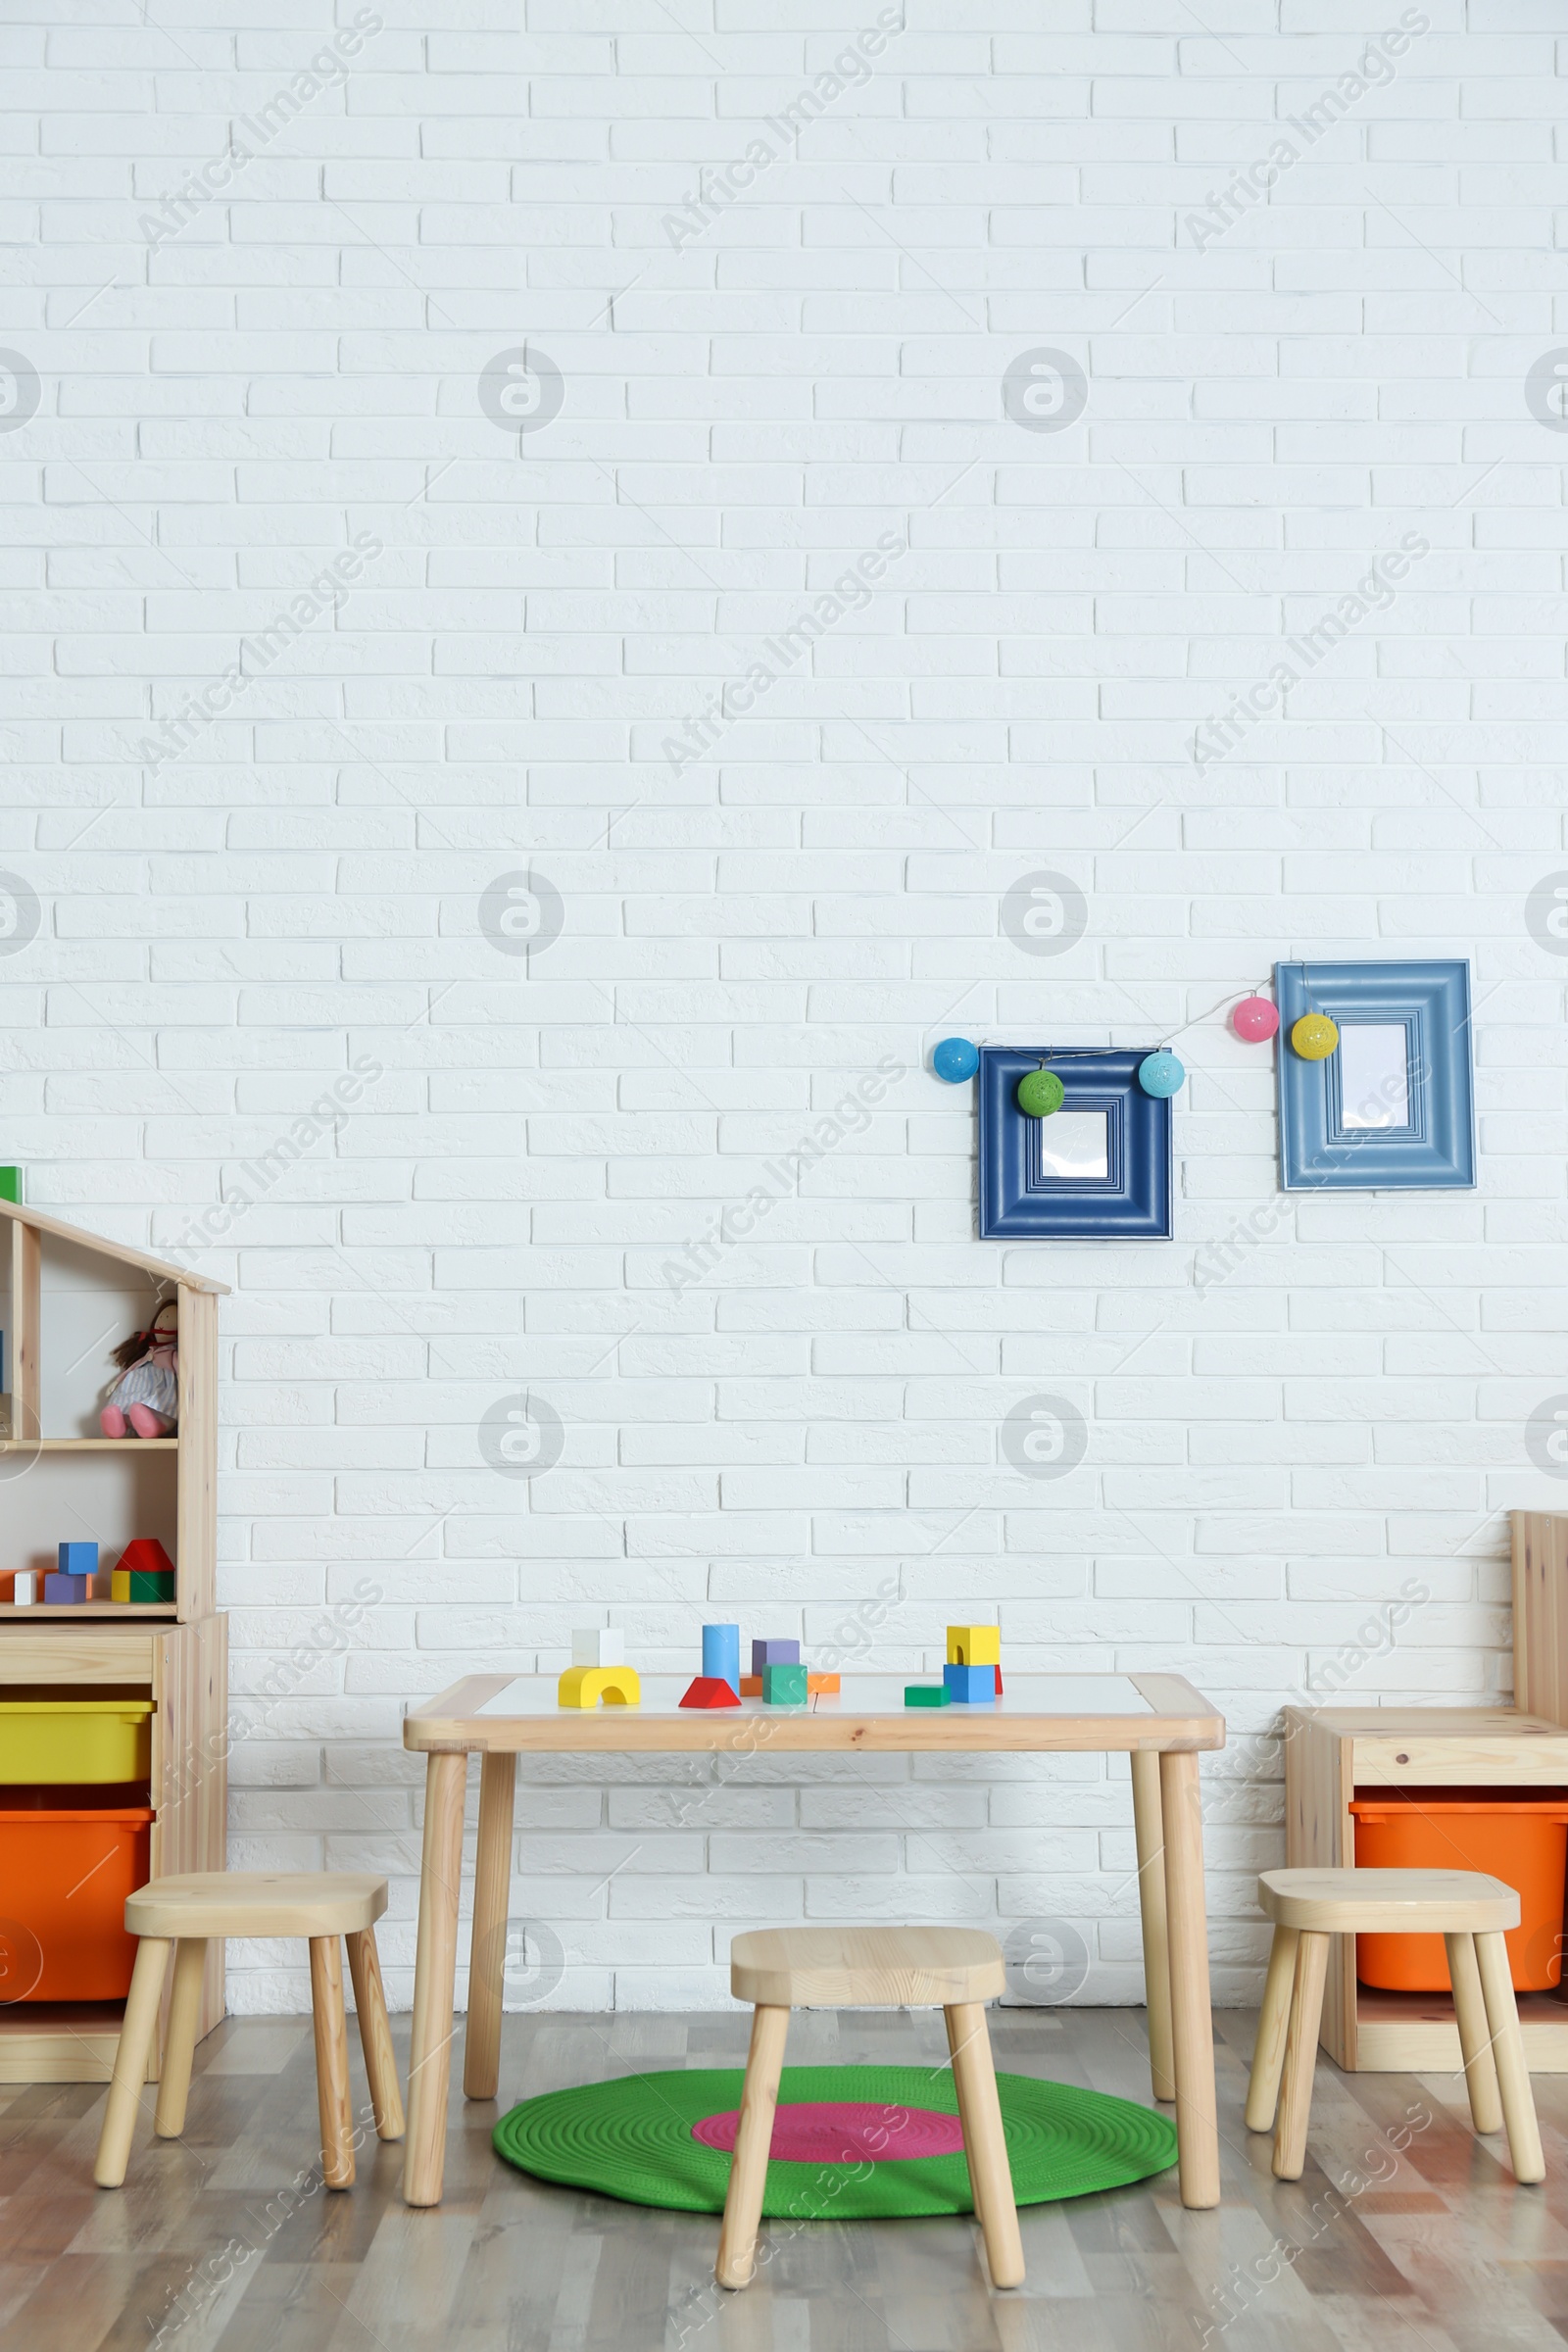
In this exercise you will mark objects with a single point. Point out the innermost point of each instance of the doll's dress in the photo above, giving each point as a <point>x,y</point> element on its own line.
<point>153,1382</point>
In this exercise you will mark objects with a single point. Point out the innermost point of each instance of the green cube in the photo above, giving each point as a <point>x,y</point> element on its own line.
<point>10,1185</point>
<point>784,1686</point>
<point>927,1694</point>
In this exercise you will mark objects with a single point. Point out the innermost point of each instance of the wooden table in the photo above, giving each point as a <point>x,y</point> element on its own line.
<point>1158,1720</point>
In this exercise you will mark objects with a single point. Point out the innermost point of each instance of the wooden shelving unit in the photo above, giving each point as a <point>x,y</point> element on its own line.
<point>111,1489</point>
<point>1333,1752</point>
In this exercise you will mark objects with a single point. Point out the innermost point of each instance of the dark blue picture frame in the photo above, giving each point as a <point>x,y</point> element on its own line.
<point>1435,1151</point>
<point>1020,1201</point>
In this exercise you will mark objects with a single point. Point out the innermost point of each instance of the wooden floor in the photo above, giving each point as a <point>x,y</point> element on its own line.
<point>1405,2234</point>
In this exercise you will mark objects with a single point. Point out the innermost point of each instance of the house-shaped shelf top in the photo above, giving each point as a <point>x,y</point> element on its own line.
<point>71,1299</point>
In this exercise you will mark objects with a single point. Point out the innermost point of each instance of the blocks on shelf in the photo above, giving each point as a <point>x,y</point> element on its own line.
<point>721,1656</point>
<point>711,1691</point>
<point>599,1645</point>
<point>78,1560</point>
<point>25,1587</point>
<point>61,1590</point>
<point>927,1694</point>
<point>592,1685</point>
<point>144,1572</point>
<point>784,1684</point>
<point>774,1654</point>
<point>971,1685</point>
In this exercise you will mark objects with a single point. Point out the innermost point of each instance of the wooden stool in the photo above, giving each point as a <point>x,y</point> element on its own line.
<point>1471,1912</point>
<point>183,1912</point>
<point>955,1969</point>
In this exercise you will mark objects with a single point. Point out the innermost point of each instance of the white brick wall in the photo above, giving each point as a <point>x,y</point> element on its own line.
<point>232,931</point>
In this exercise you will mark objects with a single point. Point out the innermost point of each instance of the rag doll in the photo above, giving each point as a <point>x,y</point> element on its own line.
<point>144,1401</point>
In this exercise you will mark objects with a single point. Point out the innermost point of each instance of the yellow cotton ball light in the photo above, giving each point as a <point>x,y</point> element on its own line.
<point>1314,1037</point>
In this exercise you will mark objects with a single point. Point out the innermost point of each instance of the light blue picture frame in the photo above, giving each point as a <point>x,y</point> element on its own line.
<point>1419,1136</point>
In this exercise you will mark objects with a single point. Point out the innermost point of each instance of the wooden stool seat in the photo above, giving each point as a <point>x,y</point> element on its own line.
<point>865,1968</point>
<point>1471,1912</point>
<point>956,1970</point>
<point>179,1915</point>
<point>257,1902</point>
<point>1388,1902</point>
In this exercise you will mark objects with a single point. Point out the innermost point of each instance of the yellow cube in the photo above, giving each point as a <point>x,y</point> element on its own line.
<point>974,1646</point>
<point>587,1685</point>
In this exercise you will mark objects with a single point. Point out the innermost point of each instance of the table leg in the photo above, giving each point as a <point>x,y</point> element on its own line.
<point>487,1951</point>
<point>1191,2016</point>
<point>1149,1823</point>
<point>434,1969</point>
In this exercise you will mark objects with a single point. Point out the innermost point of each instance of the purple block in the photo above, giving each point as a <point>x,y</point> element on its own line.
<point>774,1654</point>
<point>57,1587</point>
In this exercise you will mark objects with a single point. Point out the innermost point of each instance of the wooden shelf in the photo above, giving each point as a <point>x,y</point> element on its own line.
<point>60,2042</point>
<point>90,1445</point>
<point>89,1608</point>
<point>1414,2033</point>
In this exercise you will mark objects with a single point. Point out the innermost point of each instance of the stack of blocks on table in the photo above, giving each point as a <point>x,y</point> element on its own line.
<point>599,1672</point>
<point>599,1675</point>
<point>972,1674</point>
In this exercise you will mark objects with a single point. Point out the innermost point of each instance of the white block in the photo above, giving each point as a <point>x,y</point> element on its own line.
<point>599,1645</point>
<point>26,1592</point>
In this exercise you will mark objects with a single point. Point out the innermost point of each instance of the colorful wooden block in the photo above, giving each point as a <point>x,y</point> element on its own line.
<point>78,1560</point>
<point>10,1185</point>
<point>599,1645</point>
<point>141,1584</point>
<point>784,1686</point>
<point>971,1685</point>
<point>751,1685</point>
<point>722,1655</point>
<point>927,1694</point>
<point>711,1691</point>
<point>974,1646</point>
<point>144,1556</point>
<point>59,1590</point>
<point>587,1685</point>
<point>774,1654</point>
<point>819,1682</point>
<point>25,1587</point>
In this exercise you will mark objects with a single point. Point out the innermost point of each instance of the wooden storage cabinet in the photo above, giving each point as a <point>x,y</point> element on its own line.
<point>55,1476</point>
<point>1330,1754</point>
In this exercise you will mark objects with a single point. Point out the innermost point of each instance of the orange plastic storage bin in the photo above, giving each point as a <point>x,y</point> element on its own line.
<point>1512,1835</point>
<point>66,1868</point>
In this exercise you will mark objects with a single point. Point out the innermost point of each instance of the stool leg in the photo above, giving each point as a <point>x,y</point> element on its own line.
<point>1268,2057</point>
<point>375,2035</point>
<point>1475,2040</point>
<point>1301,2056</point>
<point>130,2060</point>
<point>1508,2050</point>
<point>985,2146</point>
<point>331,2060</point>
<point>747,2171</point>
<point>180,2042</point>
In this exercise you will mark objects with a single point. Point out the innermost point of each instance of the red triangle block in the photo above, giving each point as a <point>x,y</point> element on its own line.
<point>144,1556</point>
<point>711,1691</point>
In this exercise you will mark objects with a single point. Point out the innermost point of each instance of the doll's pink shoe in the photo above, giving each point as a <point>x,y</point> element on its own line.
<point>111,1421</point>
<point>146,1423</point>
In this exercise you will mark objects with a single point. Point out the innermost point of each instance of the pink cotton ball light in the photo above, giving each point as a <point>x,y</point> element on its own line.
<point>1255,1019</point>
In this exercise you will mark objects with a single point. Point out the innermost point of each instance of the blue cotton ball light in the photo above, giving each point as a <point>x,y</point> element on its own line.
<point>955,1059</point>
<point>1162,1074</point>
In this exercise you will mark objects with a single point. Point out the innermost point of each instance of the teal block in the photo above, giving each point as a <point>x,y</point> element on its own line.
<point>784,1686</point>
<point>927,1694</point>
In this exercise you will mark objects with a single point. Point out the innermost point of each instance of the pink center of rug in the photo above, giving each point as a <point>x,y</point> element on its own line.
<point>843,2132</point>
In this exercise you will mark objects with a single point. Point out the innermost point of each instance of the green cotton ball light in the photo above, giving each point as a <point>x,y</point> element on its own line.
<point>1040,1093</point>
<point>1162,1074</point>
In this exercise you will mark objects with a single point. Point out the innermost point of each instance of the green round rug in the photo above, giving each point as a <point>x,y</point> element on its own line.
<point>664,2139</point>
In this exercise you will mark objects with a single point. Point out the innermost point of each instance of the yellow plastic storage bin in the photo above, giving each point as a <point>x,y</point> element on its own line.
<point>75,1739</point>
